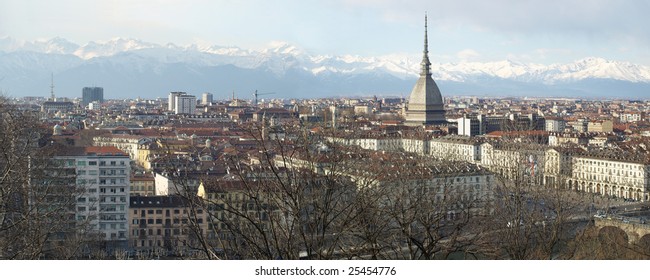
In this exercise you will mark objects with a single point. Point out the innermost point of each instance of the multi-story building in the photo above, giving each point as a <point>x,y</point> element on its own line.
<point>600,126</point>
<point>492,123</point>
<point>171,105</point>
<point>456,149</point>
<point>206,98</point>
<point>103,174</point>
<point>164,223</point>
<point>452,188</point>
<point>234,206</point>
<point>579,125</point>
<point>612,174</point>
<point>91,94</point>
<point>561,139</point>
<point>184,104</point>
<point>56,106</point>
<point>632,116</point>
<point>143,185</point>
<point>515,161</point>
<point>557,166</point>
<point>469,126</point>
<point>124,142</point>
<point>555,124</point>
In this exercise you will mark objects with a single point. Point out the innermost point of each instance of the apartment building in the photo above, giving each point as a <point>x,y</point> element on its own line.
<point>164,223</point>
<point>103,175</point>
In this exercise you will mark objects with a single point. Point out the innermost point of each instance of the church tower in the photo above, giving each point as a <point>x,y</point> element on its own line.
<point>425,103</point>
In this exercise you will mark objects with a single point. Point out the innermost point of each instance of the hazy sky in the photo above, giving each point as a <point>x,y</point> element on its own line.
<point>544,31</point>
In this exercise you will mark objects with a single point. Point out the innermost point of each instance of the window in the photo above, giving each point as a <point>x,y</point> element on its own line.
<point>150,221</point>
<point>122,189</point>
<point>159,211</point>
<point>92,163</point>
<point>81,208</point>
<point>81,172</point>
<point>81,199</point>
<point>92,172</point>
<point>81,163</point>
<point>149,211</point>
<point>113,163</point>
<point>158,221</point>
<point>93,190</point>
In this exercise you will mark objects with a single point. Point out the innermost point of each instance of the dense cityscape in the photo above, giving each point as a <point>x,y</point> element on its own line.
<point>263,177</point>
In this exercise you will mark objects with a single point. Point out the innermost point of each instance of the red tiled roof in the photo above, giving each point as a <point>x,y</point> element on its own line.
<point>105,151</point>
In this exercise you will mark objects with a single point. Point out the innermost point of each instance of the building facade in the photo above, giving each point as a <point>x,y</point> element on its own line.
<point>143,185</point>
<point>103,174</point>
<point>185,104</point>
<point>92,94</point>
<point>164,224</point>
<point>171,101</point>
<point>206,98</point>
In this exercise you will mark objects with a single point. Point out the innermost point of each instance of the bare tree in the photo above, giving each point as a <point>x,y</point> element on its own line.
<point>37,194</point>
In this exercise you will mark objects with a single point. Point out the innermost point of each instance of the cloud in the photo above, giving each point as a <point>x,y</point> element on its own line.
<point>596,19</point>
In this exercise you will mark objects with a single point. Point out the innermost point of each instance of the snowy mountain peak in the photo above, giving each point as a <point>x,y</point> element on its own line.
<point>279,57</point>
<point>285,48</point>
<point>111,47</point>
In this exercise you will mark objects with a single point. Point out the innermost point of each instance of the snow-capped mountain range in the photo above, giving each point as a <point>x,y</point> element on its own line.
<point>125,67</point>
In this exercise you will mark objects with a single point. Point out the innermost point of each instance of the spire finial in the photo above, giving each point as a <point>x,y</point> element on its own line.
<point>426,40</point>
<point>425,55</point>
<point>52,87</point>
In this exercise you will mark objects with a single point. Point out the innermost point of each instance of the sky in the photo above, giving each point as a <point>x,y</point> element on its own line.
<point>544,31</point>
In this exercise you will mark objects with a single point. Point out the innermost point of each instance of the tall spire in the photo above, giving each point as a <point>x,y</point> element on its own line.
<point>425,56</point>
<point>426,39</point>
<point>52,88</point>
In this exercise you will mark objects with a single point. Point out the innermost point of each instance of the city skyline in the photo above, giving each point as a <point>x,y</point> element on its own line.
<point>470,31</point>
